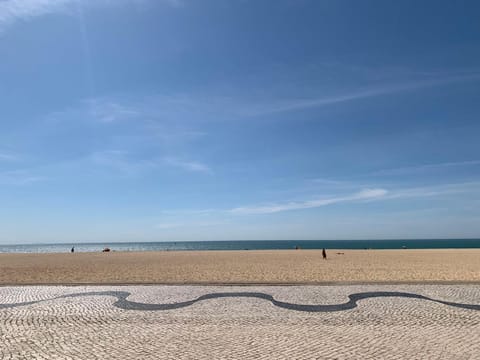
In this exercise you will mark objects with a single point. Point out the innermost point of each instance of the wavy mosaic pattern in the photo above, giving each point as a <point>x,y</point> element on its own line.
<point>125,304</point>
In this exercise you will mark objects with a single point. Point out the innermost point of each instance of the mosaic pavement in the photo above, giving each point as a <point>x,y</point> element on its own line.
<point>256,322</point>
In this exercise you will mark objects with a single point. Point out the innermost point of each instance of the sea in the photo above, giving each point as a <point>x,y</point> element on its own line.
<point>244,245</point>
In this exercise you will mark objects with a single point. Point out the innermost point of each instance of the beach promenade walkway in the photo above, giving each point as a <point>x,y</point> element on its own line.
<point>240,322</point>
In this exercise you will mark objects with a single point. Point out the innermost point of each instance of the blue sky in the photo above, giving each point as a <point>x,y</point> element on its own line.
<point>151,120</point>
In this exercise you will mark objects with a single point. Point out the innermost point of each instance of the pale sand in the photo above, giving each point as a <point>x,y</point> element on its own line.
<point>267,267</point>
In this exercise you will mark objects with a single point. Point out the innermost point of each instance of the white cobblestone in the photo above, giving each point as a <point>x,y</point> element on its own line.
<point>93,326</point>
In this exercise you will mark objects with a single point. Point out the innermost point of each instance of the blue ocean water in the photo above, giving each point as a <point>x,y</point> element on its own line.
<point>245,245</point>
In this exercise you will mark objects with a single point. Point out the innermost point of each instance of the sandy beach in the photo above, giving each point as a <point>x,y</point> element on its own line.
<point>243,267</point>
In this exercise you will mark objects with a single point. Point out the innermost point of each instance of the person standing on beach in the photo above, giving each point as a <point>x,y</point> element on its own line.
<point>73,249</point>
<point>324,254</point>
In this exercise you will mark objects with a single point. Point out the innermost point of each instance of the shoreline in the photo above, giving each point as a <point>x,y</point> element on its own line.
<point>242,245</point>
<point>243,267</point>
<point>113,251</point>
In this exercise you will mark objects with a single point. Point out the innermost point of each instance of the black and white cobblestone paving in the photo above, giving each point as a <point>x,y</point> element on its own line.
<point>212,322</point>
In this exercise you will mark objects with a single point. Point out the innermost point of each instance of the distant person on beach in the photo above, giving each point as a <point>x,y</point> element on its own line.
<point>324,254</point>
<point>73,249</point>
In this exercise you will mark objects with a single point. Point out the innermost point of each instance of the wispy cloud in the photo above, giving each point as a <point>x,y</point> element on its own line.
<point>8,157</point>
<point>434,190</point>
<point>130,164</point>
<point>189,224</point>
<point>323,181</point>
<point>366,194</point>
<point>12,11</point>
<point>122,161</point>
<point>155,119</point>
<point>193,166</point>
<point>19,177</point>
<point>168,225</point>
<point>425,167</point>
<point>305,103</point>
<point>108,111</point>
<point>172,117</point>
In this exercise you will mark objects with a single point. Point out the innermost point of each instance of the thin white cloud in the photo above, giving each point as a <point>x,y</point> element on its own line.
<point>305,103</point>
<point>425,167</point>
<point>8,157</point>
<point>127,163</point>
<point>151,118</point>
<point>323,181</point>
<point>183,212</point>
<point>19,177</point>
<point>435,190</point>
<point>108,111</point>
<point>366,194</point>
<point>193,166</point>
<point>121,161</point>
<point>172,225</point>
<point>12,11</point>
<point>186,224</point>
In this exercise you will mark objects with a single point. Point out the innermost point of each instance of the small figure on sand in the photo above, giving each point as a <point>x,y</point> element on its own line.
<point>73,249</point>
<point>324,254</point>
